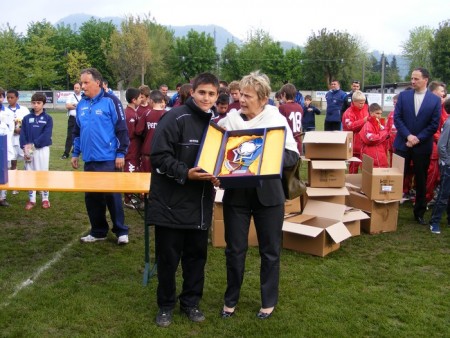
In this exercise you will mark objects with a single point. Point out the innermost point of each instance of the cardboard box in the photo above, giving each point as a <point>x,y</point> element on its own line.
<point>328,145</point>
<point>383,183</point>
<point>218,226</point>
<point>326,174</point>
<point>383,213</point>
<point>352,220</point>
<point>313,234</point>
<point>330,195</point>
<point>353,182</point>
<point>242,158</point>
<point>293,206</point>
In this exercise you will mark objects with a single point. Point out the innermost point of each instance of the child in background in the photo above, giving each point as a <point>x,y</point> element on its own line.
<point>293,112</point>
<point>374,136</point>
<point>353,120</point>
<point>221,107</point>
<point>309,115</point>
<point>235,94</point>
<point>35,140</point>
<point>6,127</point>
<point>391,129</point>
<point>132,157</point>
<point>145,128</point>
<point>444,185</point>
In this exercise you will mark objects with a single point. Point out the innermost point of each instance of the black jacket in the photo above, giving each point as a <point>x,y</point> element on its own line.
<point>174,201</point>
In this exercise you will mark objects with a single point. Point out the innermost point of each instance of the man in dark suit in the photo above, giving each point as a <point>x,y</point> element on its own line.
<point>416,118</point>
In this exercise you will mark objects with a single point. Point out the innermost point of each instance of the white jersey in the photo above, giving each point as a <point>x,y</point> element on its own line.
<point>19,113</point>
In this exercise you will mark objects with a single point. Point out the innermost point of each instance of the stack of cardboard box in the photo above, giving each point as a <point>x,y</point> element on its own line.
<point>326,221</point>
<point>377,191</point>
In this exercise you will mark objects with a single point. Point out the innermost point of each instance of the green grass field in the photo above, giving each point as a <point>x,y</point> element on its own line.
<point>51,285</point>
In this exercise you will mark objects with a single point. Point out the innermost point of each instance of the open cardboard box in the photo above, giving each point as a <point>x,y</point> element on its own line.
<point>313,234</point>
<point>326,173</point>
<point>383,183</point>
<point>352,219</point>
<point>328,145</point>
<point>218,226</point>
<point>247,163</point>
<point>383,213</point>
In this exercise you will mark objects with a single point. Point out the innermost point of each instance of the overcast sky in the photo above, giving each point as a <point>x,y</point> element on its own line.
<point>383,26</point>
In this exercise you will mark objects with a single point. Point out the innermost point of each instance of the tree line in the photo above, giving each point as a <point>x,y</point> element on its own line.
<point>143,51</point>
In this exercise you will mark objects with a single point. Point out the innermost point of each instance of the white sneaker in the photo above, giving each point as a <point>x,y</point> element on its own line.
<point>90,239</point>
<point>15,192</point>
<point>122,239</point>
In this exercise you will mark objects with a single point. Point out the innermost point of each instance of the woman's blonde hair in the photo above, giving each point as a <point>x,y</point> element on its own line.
<point>259,82</point>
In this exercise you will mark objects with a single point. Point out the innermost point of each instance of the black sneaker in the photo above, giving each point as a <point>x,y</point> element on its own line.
<point>64,156</point>
<point>164,318</point>
<point>193,313</point>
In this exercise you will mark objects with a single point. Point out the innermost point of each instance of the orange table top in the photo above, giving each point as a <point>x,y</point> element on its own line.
<point>83,181</point>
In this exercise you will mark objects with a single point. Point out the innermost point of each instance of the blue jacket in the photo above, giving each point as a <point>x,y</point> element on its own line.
<point>36,130</point>
<point>335,99</point>
<point>100,132</point>
<point>424,125</point>
<point>309,116</point>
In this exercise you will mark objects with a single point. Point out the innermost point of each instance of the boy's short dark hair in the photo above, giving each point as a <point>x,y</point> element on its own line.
<point>308,97</point>
<point>447,105</point>
<point>205,78</point>
<point>223,99</point>
<point>374,107</point>
<point>156,96</point>
<point>289,91</point>
<point>13,91</point>
<point>39,97</point>
<point>131,94</point>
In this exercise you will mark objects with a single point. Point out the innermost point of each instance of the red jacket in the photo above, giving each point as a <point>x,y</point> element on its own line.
<point>353,120</point>
<point>390,127</point>
<point>373,137</point>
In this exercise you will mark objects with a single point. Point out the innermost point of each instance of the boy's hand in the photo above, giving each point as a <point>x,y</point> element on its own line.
<point>74,162</point>
<point>198,174</point>
<point>120,163</point>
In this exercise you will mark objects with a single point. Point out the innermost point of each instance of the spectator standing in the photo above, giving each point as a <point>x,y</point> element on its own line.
<point>164,90</point>
<point>181,200</point>
<point>374,136</point>
<point>108,90</point>
<point>71,106</point>
<point>221,107</point>
<point>6,125</point>
<point>35,140</point>
<point>175,97</point>
<point>442,200</point>
<point>356,85</point>
<point>392,130</point>
<point>235,96</point>
<point>292,112</point>
<point>100,134</point>
<point>353,120</point>
<point>133,155</point>
<point>335,98</point>
<point>416,117</point>
<point>309,115</point>
<point>19,113</point>
<point>146,126</point>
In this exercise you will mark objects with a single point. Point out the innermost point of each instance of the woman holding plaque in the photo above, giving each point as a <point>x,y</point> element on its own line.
<point>265,203</point>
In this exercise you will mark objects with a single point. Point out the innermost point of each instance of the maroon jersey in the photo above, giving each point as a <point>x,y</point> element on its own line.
<point>134,148</point>
<point>141,111</point>
<point>293,113</point>
<point>146,127</point>
<point>234,105</point>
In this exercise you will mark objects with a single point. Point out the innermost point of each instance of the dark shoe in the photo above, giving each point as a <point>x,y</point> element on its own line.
<point>64,156</point>
<point>421,220</point>
<point>226,314</point>
<point>3,203</point>
<point>263,315</point>
<point>193,313</point>
<point>164,318</point>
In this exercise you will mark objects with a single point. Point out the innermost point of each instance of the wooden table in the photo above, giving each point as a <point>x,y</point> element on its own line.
<point>86,181</point>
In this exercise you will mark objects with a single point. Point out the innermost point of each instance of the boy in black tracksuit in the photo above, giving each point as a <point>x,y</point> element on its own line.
<point>181,201</point>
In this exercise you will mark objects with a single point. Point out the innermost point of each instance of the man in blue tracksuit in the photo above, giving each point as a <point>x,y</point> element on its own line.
<point>101,135</point>
<point>335,98</point>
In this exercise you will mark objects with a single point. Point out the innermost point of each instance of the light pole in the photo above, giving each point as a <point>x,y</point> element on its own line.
<point>383,64</point>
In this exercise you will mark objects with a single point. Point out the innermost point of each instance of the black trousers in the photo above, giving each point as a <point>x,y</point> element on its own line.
<point>189,246</point>
<point>331,125</point>
<point>69,141</point>
<point>420,169</point>
<point>268,223</point>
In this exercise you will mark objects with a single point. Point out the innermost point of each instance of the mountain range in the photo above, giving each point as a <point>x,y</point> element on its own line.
<point>220,35</point>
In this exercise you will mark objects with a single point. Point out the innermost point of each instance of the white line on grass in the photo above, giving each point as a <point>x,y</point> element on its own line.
<point>29,281</point>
